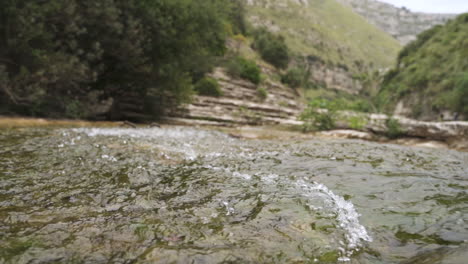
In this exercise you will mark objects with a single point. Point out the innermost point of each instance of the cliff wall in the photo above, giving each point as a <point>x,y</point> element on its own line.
<point>242,104</point>
<point>401,23</point>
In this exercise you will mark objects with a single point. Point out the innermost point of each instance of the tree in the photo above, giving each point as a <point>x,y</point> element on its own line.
<point>59,53</point>
<point>272,48</point>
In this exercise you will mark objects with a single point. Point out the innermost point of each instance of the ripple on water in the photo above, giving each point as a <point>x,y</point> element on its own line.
<point>181,194</point>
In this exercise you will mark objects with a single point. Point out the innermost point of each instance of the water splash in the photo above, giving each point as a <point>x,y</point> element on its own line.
<point>347,216</point>
<point>180,140</point>
<point>239,200</point>
<point>195,144</point>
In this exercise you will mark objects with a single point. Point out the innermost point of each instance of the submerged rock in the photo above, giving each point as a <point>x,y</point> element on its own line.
<point>175,194</point>
<point>444,255</point>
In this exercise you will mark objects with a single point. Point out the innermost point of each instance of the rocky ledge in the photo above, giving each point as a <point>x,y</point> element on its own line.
<point>242,104</point>
<point>378,126</point>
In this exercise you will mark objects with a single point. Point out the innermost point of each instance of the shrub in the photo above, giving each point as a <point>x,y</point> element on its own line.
<point>250,71</point>
<point>262,93</point>
<point>393,128</point>
<point>54,58</point>
<point>244,68</point>
<point>272,48</point>
<point>353,104</point>
<point>319,115</point>
<point>74,109</point>
<point>209,87</point>
<point>236,16</point>
<point>233,67</point>
<point>357,122</point>
<point>294,78</point>
<point>360,105</point>
<point>316,120</point>
<point>460,103</point>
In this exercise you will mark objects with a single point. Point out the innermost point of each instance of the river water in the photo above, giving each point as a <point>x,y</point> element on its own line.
<point>186,195</point>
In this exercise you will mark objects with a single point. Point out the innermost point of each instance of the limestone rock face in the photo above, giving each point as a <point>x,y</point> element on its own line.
<point>241,104</point>
<point>330,76</point>
<point>454,133</point>
<point>434,130</point>
<point>401,23</point>
<point>409,127</point>
<point>334,78</point>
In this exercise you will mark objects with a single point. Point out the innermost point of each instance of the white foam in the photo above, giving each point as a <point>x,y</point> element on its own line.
<point>175,139</point>
<point>347,217</point>
<point>173,132</point>
<point>193,142</point>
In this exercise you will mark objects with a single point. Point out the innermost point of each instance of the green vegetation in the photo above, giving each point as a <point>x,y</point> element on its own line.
<point>63,57</point>
<point>329,257</point>
<point>460,94</point>
<point>317,121</point>
<point>357,122</point>
<point>339,100</point>
<point>272,48</point>
<point>262,93</point>
<point>15,247</point>
<point>393,128</point>
<point>209,87</point>
<point>294,77</point>
<point>431,73</point>
<point>333,33</point>
<point>140,232</point>
<point>244,68</point>
<point>322,113</point>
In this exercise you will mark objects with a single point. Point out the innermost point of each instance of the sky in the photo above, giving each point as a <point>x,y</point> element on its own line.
<point>432,6</point>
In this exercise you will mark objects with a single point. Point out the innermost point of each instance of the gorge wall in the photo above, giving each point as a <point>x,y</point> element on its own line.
<point>335,78</point>
<point>401,23</point>
<point>242,104</point>
<point>341,43</point>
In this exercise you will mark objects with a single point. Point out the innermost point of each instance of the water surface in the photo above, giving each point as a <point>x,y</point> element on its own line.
<point>183,195</point>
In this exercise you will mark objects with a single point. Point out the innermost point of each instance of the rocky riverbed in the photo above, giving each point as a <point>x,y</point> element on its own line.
<point>180,194</point>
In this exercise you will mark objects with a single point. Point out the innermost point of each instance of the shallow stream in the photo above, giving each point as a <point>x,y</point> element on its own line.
<point>186,195</point>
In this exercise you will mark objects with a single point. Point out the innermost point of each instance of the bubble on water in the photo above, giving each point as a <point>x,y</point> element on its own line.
<point>242,175</point>
<point>270,178</point>
<point>344,259</point>
<point>229,209</point>
<point>110,158</point>
<point>180,140</point>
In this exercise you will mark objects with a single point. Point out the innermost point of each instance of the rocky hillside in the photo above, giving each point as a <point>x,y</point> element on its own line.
<point>242,103</point>
<point>339,43</point>
<point>430,80</point>
<point>401,23</point>
<point>328,39</point>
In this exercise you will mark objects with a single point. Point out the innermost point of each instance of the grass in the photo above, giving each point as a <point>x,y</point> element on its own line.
<point>333,32</point>
<point>347,101</point>
<point>432,72</point>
